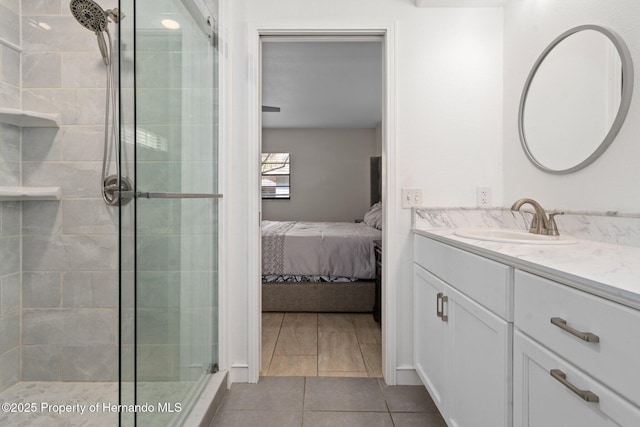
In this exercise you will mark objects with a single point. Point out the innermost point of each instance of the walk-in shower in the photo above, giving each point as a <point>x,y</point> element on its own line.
<point>110,309</point>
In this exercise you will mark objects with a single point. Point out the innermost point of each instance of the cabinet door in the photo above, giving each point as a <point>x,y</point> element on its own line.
<point>478,355</point>
<point>540,400</point>
<point>429,334</point>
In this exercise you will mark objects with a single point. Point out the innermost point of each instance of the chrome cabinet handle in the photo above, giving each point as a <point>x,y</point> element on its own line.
<point>585,395</point>
<point>440,300</point>
<point>585,336</point>
<point>445,299</point>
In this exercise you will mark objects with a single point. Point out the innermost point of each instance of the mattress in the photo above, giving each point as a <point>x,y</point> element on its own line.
<point>333,249</point>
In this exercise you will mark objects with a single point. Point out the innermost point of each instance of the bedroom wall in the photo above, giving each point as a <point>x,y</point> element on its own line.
<point>448,130</point>
<point>612,180</point>
<point>329,173</point>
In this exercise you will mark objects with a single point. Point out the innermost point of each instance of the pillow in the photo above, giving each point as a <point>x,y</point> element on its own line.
<point>373,217</point>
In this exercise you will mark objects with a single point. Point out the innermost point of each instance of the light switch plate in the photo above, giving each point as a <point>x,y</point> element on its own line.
<point>411,197</point>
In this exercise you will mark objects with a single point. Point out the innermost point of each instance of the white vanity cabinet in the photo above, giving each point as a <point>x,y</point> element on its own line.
<point>499,346</point>
<point>576,357</point>
<point>463,339</point>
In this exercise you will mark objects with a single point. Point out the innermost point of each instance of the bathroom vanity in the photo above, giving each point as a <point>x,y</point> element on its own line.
<point>527,334</point>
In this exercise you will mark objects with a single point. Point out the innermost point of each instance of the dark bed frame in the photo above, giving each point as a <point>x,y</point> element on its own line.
<point>336,297</point>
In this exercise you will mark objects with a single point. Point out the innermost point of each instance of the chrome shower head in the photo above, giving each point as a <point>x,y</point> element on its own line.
<point>89,14</point>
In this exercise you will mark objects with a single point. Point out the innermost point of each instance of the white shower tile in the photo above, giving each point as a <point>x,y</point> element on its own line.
<point>9,25</point>
<point>69,253</point>
<point>82,143</point>
<point>41,290</point>
<point>76,106</point>
<point>9,332</point>
<point>41,70</point>
<point>9,95</point>
<point>41,144</point>
<point>77,180</point>
<point>9,368</point>
<point>42,7</point>
<point>83,70</point>
<point>69,326</point>
<point>41,363</point>
<point>10,65</point>
<point>64,34</point>
<point>90,289</point>
<point>10,294</point>
<point>89,216</point>
<point>9,255</point>
<point>11,212</point>
<point>90,363</point>
<point>10,143</point>
<point>41,217</point>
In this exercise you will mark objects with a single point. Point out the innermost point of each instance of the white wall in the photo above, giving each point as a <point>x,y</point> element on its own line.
<point>448,133</point>
<point>329,173</point>
<point>611,183</point>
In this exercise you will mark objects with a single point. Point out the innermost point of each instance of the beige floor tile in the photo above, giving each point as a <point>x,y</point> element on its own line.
<point>294,366</point>
<point>323,344</point>
<point>309,320</point>
<point>270,329</point>
<point>298,335</point>
<point>364,320</point>
<point>367,329</point>
<point>339,351</point>
<point>354,374</point>
<point>272,320</point>
<point>331,322</point>
<point>269,337</point>
<point>372,354</point>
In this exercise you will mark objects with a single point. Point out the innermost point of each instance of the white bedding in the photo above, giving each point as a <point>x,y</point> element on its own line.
<point>342,249</point>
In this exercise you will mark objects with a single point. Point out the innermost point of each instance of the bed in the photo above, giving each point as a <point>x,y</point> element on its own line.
<point>318,266</point>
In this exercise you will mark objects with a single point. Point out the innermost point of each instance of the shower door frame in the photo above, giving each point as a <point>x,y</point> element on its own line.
<point>389,188</point>
<point>220,130</point>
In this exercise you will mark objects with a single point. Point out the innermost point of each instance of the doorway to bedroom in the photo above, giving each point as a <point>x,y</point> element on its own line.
<point>321,189</point>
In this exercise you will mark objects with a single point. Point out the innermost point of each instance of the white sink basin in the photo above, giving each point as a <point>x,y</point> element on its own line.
<point>512,236</point>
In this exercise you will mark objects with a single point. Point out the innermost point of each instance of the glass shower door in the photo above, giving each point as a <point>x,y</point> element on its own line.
<point>176,206</point>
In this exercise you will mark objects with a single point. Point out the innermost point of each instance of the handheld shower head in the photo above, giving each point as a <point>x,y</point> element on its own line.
<point>89,14</point>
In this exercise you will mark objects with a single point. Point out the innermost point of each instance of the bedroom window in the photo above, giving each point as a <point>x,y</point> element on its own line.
<point>275,175</point>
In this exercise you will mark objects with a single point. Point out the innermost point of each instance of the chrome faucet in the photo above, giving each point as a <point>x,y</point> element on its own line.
<point>540,224</point>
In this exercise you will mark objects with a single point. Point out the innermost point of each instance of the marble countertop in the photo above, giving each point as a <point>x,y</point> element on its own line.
<point>607,270</point>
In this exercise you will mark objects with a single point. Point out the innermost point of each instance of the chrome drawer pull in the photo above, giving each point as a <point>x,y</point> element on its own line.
<point>584,394</point>
<point>440,300</point>
<point>585,336</point>
<point>444,317</point>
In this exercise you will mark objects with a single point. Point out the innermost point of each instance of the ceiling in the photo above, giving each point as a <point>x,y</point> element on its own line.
<point>322,84</point>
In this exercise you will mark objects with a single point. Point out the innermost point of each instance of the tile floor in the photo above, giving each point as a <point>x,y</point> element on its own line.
<point>326,402</point>
<point>321,344</point>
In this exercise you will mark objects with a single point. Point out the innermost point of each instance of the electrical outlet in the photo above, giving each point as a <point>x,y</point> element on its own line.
<point>483,196</point>
<point>411,197</point>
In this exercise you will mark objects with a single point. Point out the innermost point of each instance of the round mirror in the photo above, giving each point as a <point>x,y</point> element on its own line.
<point>575,99</point>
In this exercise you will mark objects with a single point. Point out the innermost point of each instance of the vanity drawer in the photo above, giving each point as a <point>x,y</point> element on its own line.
<point>543,395</point>
<point>487,282</point>
<point>613,357</point>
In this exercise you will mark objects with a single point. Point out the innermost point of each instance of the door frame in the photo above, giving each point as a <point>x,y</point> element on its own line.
<point>389,187</point>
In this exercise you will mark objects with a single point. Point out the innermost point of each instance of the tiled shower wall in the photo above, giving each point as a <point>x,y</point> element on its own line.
<point>10,212</point>
<point>69,247</point>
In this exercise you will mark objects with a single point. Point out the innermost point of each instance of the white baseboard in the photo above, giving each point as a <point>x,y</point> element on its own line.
<point>239,374</point>
<point>407,375</point>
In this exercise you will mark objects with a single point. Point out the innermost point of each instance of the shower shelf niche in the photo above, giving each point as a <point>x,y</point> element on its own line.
<point>14,194</point>
<point>31,119</point>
